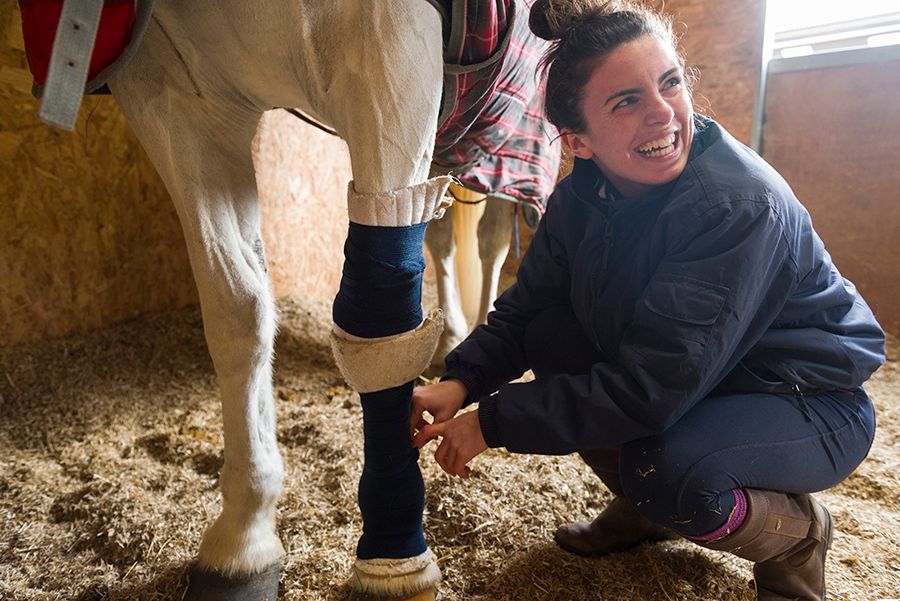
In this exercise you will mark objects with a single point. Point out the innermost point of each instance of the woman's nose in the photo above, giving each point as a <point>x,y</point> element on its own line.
<point>659,110</point>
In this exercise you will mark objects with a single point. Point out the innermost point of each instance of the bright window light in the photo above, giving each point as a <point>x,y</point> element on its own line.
<point>790,51</point>
<point>804,27</point>
<point>785,15</point>
<point>884,39</point>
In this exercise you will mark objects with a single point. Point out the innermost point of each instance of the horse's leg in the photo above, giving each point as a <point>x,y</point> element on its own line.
<point>380,340</point>
<point>201,146</point>
<point>494,232</point>
<point>439,237</point>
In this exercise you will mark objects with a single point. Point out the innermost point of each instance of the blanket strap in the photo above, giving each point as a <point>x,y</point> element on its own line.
<point>69,62</point>
<point>71,57</point>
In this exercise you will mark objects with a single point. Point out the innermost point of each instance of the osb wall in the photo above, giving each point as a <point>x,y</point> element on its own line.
<point>839,148</point>
<point>89,236</point>
<point>302,174</point>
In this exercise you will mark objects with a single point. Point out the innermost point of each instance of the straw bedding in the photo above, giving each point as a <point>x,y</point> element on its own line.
<point>111,442</point>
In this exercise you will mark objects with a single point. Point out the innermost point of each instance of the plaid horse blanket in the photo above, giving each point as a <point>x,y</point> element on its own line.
<point>491,132</point>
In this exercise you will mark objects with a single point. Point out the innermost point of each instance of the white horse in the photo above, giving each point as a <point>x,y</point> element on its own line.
<point>194,93</point>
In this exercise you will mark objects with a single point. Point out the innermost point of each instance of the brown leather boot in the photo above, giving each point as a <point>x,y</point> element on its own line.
<point>619,526</point>
<point>788,537</point>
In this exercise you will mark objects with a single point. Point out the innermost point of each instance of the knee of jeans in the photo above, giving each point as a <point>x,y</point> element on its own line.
<point>651,475</point>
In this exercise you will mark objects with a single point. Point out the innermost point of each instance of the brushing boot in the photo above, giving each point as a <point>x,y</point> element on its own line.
<point>619,526</point>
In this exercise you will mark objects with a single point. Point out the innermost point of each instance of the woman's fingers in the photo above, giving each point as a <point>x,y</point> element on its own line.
<point>446,457</point>
<point>427,433</point>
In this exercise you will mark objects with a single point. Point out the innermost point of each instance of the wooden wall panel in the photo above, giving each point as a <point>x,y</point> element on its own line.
<point>835,136</point>
<point>88,235</point>
<point>723,40</point>
<point>302,174</point>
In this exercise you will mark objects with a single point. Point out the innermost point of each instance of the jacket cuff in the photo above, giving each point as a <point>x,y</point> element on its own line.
<point>487,410</point>
<point>468,379</point>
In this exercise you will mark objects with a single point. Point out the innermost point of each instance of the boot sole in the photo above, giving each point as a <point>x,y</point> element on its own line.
<point>609,550</point>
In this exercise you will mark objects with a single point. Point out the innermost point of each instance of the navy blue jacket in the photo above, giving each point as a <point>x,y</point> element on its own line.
<point>715,283</point>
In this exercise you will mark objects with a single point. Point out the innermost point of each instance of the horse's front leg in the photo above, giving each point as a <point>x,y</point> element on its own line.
<point>381,344</point>
<point>381,340</point>
<point>201,145</point>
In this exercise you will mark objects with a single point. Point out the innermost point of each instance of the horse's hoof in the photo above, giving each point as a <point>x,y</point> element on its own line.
<point>426,595</point>
<point>210,586</point>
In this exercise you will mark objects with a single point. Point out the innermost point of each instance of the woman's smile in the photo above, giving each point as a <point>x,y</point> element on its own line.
<point>638,115</point>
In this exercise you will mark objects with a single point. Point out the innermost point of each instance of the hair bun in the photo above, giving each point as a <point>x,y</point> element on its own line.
<point>554,19</point>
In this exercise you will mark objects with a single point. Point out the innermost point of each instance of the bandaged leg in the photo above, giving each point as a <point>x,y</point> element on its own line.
<point>381,344</point>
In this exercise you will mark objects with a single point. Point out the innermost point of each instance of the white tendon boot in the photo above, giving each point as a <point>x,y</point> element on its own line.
<point>371,365</point>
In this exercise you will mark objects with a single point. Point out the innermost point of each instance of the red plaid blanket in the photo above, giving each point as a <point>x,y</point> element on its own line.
<point>492,135</point>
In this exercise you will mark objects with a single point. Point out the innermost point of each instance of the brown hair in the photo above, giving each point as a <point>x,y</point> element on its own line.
<point>583,32</point>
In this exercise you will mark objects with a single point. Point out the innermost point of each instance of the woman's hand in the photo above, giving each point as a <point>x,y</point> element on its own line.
<point>462,441</point>
<point>441,400</point>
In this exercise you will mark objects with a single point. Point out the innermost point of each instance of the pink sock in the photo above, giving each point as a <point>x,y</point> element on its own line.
<point>735,519</point>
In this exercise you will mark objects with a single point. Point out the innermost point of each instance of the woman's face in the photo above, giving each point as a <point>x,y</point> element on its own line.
<point>638,113</point>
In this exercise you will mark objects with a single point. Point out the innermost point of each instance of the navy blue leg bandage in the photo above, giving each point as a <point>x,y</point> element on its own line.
<point>391,491</point>
<point>381,287</point>
<point>381,295</point>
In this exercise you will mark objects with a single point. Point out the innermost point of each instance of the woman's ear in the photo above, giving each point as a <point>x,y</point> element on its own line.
<point>574,142</point>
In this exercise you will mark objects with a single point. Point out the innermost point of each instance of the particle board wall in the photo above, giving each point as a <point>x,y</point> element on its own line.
<point>88,235</point>
<point>833,134</point>
<point>302,174</point>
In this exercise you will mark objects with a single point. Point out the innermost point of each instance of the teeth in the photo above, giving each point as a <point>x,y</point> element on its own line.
<point>657,144</point>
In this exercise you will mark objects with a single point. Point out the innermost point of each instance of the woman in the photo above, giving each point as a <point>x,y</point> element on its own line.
<point>689,335</point>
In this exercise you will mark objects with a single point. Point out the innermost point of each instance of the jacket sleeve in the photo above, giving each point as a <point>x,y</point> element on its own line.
<point>493,353</point>
<point>718,285</point>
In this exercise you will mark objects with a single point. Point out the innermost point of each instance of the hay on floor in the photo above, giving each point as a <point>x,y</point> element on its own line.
<point>110,446</point>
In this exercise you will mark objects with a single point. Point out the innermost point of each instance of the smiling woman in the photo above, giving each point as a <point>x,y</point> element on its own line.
<point>688,333</point>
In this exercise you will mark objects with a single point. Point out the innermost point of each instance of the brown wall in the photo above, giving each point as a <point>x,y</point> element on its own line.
<point>723,40</point>
<point>88,235</point>
<point>834,134</point>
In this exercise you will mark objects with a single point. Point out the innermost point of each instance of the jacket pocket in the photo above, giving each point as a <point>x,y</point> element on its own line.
<point>689,306</point>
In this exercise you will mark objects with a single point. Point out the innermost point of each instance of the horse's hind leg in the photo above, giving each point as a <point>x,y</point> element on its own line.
<point>494,232</point>
<point>439,238</point>
<point>201,145</point>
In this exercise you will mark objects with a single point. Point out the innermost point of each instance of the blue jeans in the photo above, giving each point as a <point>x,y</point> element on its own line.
<point>682,478</point>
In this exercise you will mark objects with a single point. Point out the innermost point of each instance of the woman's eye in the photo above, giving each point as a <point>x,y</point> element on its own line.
<point>672,82</point>
<point>625,102</point>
